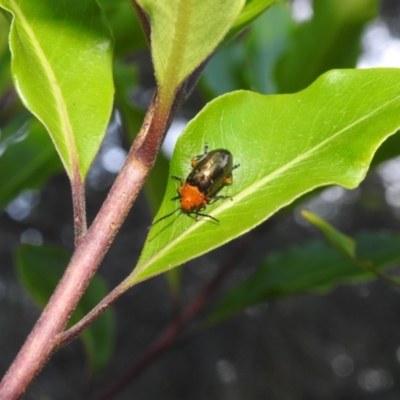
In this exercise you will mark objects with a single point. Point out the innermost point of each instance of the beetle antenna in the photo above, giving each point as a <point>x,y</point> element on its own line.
<point>165,216</point>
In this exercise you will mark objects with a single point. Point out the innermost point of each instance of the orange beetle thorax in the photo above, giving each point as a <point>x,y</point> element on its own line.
<point>191,198</point>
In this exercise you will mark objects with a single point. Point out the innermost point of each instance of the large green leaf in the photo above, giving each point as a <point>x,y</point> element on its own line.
<point>61,65</point>
<point>27,158</point>
<point>183,34</point>
<point>314,266</point>
<point>40,269</point>
<point>330,40</point>
<point>287,145</point>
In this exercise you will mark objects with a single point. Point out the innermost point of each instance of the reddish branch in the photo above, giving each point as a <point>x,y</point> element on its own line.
<point>79,205</point>
<point>74,331</point>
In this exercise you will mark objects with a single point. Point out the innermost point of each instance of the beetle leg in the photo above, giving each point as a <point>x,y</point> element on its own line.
<point>177,178</point>
<point>165,216</point>
<point>195,160</point>
<point>228,179</point>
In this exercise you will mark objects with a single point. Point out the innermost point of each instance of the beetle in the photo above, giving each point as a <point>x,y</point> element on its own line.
<point>211,171</point>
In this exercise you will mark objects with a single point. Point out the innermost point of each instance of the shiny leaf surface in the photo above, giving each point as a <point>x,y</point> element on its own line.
<point>287,145</point>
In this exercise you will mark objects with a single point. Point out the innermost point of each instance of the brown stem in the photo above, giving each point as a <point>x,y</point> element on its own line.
<point>369,267</point>
<point>170,334</point>
<point>79,205</point>
<point>47,333</point>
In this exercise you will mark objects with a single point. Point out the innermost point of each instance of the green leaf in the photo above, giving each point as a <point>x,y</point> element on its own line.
<point>248,63</point>
<point>337,239</point>
<point>5,77</point>
<point>156,183</point>
<point>314,266</point>
<point>266,41</point>
<point>99,337</point>
<point>252,10</point>
<point>346,246</point>
<point>61,66</point>
<point>330,40</point>
<point>40,269</point>
<point>389,149</point>
<point>27,158</point>
<point>155,189</point>
<point>184,34</point>
<point>126,81</point>
<point>287,145</point>
<point>127,31</point>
